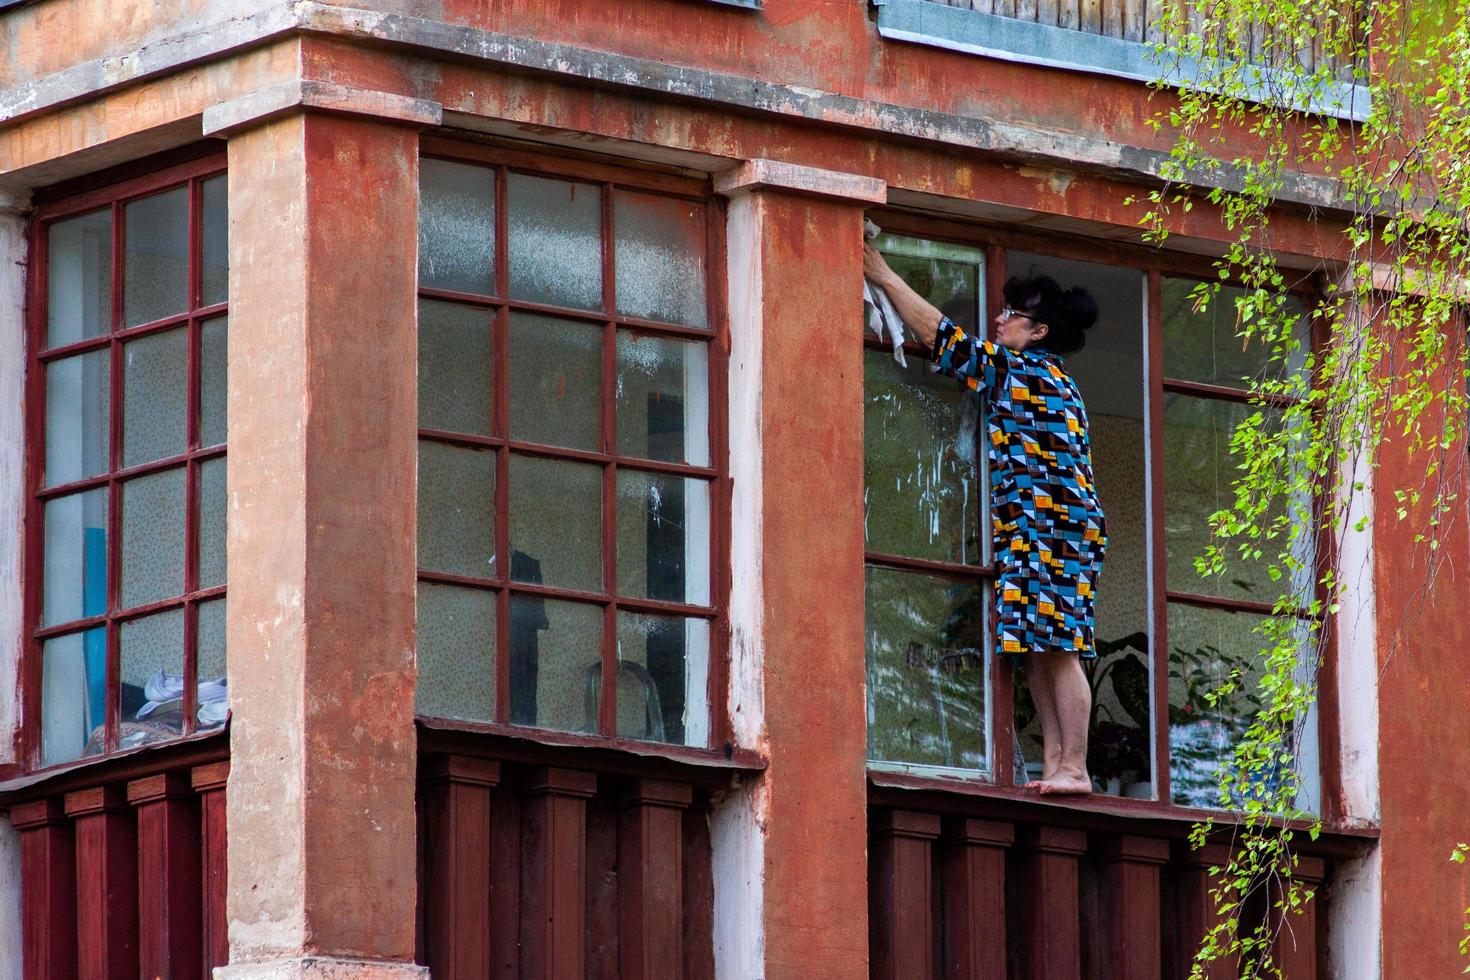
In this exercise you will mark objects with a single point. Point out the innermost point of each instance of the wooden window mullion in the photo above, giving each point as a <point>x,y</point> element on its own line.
<point>1153,372</point>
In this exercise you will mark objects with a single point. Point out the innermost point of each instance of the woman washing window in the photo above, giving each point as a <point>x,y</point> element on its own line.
<point>1049,532</point>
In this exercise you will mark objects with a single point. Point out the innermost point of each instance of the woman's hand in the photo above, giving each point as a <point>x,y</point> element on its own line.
<point>918,313</point>
<point>875,266</point>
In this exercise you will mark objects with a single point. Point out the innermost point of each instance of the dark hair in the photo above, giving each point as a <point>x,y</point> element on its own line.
<point>1067,313</point>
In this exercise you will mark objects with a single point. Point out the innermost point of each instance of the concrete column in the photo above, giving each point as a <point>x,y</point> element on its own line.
<point>14,215</point>
<point>322,410</point>
<point>790,848</point>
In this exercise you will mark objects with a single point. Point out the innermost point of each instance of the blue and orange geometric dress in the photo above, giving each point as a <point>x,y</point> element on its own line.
<point>1049,533</point>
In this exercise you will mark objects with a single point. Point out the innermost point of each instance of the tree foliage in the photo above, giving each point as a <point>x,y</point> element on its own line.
<point>1267,107</point>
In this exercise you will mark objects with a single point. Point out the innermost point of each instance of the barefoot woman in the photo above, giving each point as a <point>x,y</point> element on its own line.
<point>1049,533</point>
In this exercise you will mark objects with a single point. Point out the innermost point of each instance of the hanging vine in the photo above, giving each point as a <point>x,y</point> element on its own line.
<point>1284,84</point>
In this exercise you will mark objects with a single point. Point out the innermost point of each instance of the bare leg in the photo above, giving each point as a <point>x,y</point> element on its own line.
<point>1073,700</point>
<point>1038,679</point>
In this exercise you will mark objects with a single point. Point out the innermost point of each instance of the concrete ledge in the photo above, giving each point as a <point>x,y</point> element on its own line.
<point>754,174</point>
<point>321,968</point>
<point>257,107</point>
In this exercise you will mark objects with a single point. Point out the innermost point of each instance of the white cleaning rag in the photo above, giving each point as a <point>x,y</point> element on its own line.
<point>878,309</point>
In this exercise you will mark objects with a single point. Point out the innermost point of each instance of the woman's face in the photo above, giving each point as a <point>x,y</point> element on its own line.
<point>1017,330</point>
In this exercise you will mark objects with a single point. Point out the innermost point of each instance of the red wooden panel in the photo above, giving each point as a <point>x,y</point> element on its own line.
<point>973,867</point>
<point>1050,913</point>
<point>900,918</point>
<point>505,886</point>
<point>554,874</point>
<point>209,782</point>
<point>651,879</point>
<point>48,903</point>
<point>107,883</point>
<point>1296,947</point>
<point>169,882</point>
<point>1129,909</point>
<point>1196,907</point>
<point>602,889</point>
<point>699,897</point>
<point>458,819</point>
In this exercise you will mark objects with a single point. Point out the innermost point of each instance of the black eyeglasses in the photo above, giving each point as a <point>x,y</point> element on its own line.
<point>1006,312</point>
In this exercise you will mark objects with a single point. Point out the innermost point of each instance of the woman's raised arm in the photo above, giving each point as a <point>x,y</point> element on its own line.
<point>917,313</point>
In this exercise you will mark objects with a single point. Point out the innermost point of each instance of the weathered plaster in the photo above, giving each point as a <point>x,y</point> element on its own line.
<point>322,968</point>
<point>1355,920</point>
<point>776,174</point>
<point>259,106</point>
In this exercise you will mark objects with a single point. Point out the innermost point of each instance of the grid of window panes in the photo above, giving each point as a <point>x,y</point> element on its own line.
<point>1212,623</point>
<point>567,471</point>
<point>928,596</point>
<point>129,482</point>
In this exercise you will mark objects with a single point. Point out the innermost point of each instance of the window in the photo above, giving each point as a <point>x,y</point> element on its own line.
<point>127,474</point>
<point>1164,386</point>
<point>569,450</point>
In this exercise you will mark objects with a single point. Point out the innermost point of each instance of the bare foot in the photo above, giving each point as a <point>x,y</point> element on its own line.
<point>1065,784</point>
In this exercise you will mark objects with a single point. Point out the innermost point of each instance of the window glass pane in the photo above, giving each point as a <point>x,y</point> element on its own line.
<point>1204,346</point>
<point>555,382</point>
<point>456,368</point>
<point>213,381</point>
<point>662,394</point>
<point>156,260</point>
<point>78,410</point>
<point>660,258</point>
<point>921,477</point>
<point>155,396</point>
<point>456,653</point>
<point>555,242</point>
<point>556,523</point>
<point>1109,375</point>
<point>663,536</point>
<point>153,537</point>
<point>79,278</point>
<point>949,276</point>
<point>456,226</point>
<point>1207,647</point>
<point>214,284</point>
<point>926,670</point>
<point>555,663</point>
<point>212,510</point>
<point>73,696</point>
<point>456,509</point>
<point>214,698</point>
<point>663,677</point>
<point>76,557</point>
<point>152,672</point>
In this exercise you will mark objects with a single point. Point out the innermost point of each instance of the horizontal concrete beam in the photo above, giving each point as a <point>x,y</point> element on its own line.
<point>257,107</point>
<point>755,174</point>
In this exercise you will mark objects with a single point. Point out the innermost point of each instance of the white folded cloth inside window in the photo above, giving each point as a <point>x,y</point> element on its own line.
<point>165,689</point>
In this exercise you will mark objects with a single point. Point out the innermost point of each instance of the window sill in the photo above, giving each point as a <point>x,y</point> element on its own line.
<point>1008,39</point>
<point>1095,813</point>
<point>712,768</point>
<point>198,749</point>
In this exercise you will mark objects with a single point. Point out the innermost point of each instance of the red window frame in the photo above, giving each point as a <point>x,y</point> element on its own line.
<point>113,191</point>
<point>504,161</point>
<point>1153,265</point>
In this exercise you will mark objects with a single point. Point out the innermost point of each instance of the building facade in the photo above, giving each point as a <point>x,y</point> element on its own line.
<point>458,523</point>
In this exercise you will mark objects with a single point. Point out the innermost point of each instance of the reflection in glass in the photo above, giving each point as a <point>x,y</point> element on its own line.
<point>214,699</point>
<point>153,537</point>
<point>1203,346</point>
<point>921,498</point>
<point>949,276</point>
<point>662,393</point>
<point>555,382</point>
<point>663,536</point>
<point>155,396</point>
<point>79,278</point>
<point>660,258</point>
<point>555,663</point>
<point>456,368</point>
<point>214,285</point>
<point>663,678</point>
<point>212,509</point>
<point>1207,647</point>
<point>456,653</point>
<point>456,226</point>
<point>555,242</point>
<point>76,557</point>
<point>213,381</point>
<point>456,513</point>
<point>78,412</point>
<point>73,696</point>
<point>156,258</point>
<point>556,522</point>
<point>152,675</point>
<point>926,670</point>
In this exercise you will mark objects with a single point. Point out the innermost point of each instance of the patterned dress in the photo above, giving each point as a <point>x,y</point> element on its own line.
<point>1049,531</point>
